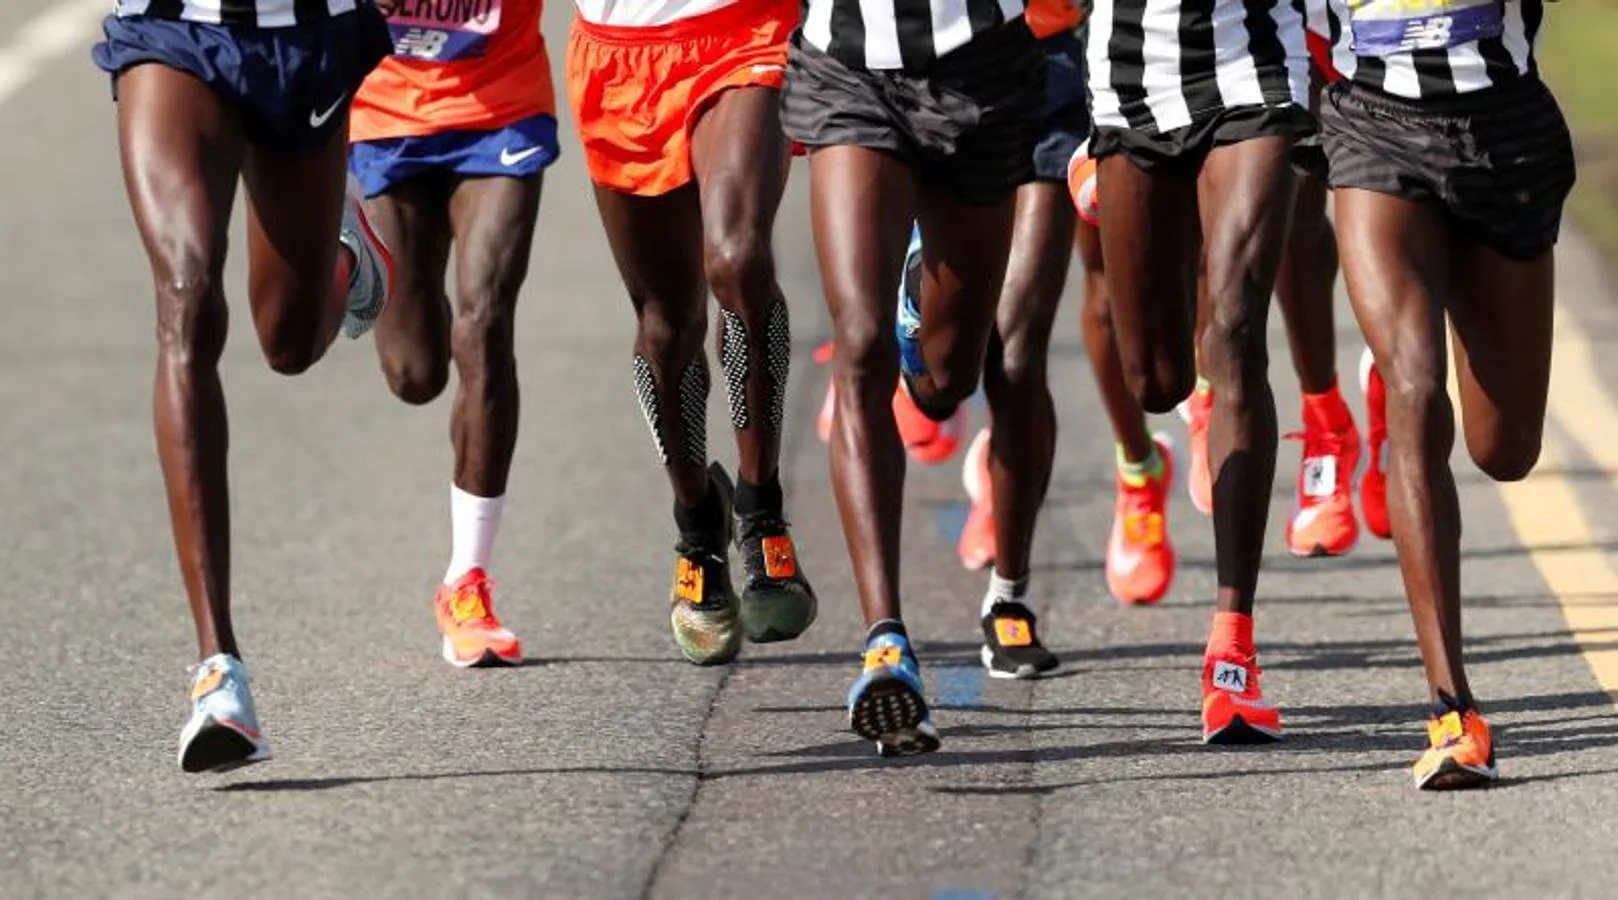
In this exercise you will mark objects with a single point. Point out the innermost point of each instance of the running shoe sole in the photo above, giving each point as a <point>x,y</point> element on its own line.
<point>1239,733</point>
<point>727,649</point>
<point>1025,672</point>
<point>220,748</point>
<point>1319,552</point>
<point>488,660</point>
<point>1452,776</point>
<point>774,614</point>
<point>892,714</point>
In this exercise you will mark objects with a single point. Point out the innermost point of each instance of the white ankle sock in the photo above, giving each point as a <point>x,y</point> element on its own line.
<point>474,522</point>
<point>1004,590</point>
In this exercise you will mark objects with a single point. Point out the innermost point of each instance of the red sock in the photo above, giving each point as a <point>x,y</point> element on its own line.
<point>343,273</point>
<point>1231,631</point>
<point>1327,411</point>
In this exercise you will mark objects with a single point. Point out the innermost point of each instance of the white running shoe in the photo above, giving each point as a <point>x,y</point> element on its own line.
<point>371,284</point>
<point>222,733</point>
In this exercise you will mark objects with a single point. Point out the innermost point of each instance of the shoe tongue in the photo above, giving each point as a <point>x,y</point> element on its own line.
<point>1446,704</point>
<point>1011,609</point>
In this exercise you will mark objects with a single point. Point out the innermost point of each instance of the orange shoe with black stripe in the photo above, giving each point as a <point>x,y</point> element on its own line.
<point>473,636</point>
<point>1460,751</point>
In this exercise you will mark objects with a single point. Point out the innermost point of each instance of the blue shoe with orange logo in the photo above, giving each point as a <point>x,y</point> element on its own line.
<point>1011,647</point>
<point>703,602</point>
<point>222,733</point>
<point>888,703</point>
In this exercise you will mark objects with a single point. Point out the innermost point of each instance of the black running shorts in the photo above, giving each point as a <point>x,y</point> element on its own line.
<point>1500,161</point>
<point>1189,146</point>
<point>968,124</point>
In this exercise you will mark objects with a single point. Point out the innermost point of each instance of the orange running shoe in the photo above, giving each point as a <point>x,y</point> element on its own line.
<point>473,637</point>
<point>976,547</point>
<point>1234,710</point>
<point>1081,185</point>
<point>1324,523</point>
<point>1197,410</point>
<point>1460,752</point>
<point>1374,486</point>
<point>828,407</point>
<point>1140,556</point>
<point>929,443</point>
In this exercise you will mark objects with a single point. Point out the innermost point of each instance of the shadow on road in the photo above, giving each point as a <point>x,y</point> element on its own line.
<point>299,785</point>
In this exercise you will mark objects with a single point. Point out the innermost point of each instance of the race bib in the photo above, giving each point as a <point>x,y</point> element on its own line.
<point>1389,27</point>
<point>444,30</point>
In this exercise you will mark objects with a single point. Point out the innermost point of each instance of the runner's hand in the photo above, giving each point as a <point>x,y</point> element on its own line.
<point>388,7</point>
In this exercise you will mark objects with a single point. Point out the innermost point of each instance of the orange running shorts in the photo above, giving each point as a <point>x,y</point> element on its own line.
<point>637,93</point>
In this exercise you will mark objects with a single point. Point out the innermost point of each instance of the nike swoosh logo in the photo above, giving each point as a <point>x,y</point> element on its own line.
<point>317,119</point>
<point>764,69</point>
<point>507,158</point>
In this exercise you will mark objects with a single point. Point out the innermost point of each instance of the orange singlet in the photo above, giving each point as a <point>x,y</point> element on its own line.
<point>1052,17</point>
<point>458,65</point>
<point>640,73</point>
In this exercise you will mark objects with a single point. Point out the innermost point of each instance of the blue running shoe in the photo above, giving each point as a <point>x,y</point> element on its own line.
<point>907,325</point>
<point>223,732</point>
<point>887,705</point>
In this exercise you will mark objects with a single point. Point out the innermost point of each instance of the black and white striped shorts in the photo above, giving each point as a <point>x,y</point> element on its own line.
<point>966,125</point>
<point>1500,161</point>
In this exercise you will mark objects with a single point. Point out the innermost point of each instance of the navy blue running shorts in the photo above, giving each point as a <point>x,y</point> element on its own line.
<point>522,149</point>
<point>292,86</point>
<point>1066,124</point>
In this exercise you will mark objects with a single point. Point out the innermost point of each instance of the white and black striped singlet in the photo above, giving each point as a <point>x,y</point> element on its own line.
<point>1160,65</point>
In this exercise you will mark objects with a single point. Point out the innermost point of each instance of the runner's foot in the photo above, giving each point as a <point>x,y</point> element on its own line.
<point>473,635</point>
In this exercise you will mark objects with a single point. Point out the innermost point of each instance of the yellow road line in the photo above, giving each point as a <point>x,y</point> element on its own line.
<point>1546,512</point>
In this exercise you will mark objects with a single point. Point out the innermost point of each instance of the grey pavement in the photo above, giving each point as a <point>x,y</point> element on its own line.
<point>605,767</point>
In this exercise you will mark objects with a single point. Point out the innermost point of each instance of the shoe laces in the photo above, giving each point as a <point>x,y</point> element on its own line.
<point>1141,516</point>
<point>470,604</point>
<point>759,525</point>
<point>1318,442</point>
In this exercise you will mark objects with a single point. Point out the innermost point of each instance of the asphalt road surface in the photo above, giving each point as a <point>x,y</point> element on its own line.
<point>606,767</point>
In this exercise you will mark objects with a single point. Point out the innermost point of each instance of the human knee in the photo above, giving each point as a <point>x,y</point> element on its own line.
<point>866,358</point>
<point>1016,367</point>
<point>1233,348</point>
<point>739,266</point>
<point>670,324</point>
<point>1415,392</point>
<point>1159,388</point>
<point>191,316</point>
<point>1508,456</point>
<point>481,337</point>
<point>416,376</point>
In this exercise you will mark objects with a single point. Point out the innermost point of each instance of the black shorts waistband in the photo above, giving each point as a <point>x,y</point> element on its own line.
<point>1451,106</point>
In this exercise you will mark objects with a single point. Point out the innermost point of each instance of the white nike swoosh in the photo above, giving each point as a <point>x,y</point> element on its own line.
<point>317,119</point>
<point>507,158</point>
<point>765,68</point>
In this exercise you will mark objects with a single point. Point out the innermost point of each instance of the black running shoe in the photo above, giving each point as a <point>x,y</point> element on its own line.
<point>704,604</point>
<point>777,602</point>
<point>1011,647</point>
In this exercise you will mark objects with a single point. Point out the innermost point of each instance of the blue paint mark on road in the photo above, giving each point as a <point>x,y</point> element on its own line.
<point>960,894</point>
<point>958,687</point>
<point>951,521</point>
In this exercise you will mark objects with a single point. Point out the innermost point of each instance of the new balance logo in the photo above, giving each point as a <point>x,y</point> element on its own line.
<point>1230,677</point>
